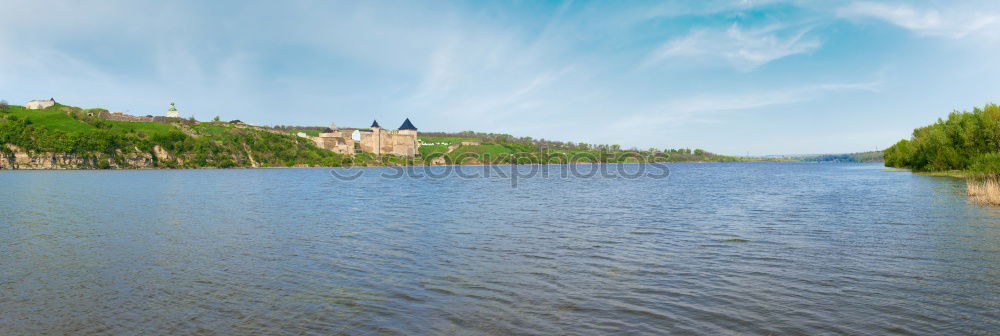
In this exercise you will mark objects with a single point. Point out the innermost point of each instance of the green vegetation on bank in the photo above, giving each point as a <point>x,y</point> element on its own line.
<point>74,131</point>
<point>966,141</point>
<point>505,149</point>
<point>78,133</point>
<point>874,156</point>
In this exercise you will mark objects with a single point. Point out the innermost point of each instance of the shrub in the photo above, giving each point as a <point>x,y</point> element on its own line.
<point>954,143</point>
<point>987,164</point>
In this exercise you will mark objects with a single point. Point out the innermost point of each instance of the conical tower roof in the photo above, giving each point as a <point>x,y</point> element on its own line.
<point>375,124</point>
<point>407,125</point>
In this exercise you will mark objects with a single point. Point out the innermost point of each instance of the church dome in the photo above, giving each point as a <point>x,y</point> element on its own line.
<point>172,112</point>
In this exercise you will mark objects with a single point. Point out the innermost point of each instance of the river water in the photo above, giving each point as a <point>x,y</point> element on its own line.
<point>713,249</point>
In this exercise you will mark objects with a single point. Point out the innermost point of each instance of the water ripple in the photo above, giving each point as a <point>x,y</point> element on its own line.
<point>714,249</point>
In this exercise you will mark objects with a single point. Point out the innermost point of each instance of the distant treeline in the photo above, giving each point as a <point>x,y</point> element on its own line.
<point>874,156</point>
<point>965,141</point>
<point>500,138</point>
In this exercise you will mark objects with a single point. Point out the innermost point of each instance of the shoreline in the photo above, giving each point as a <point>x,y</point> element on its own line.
<point>371,167</point>
<point>984,191</point>
<point>960,174</point>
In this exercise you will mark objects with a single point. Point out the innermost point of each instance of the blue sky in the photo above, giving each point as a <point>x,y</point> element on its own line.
<point>729,76</point>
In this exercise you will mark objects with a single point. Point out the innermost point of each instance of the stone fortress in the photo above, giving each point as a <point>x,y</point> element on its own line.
<point>375,140</point>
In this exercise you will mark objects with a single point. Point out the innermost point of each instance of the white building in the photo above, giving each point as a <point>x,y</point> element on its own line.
<point>172,112</point>
<point>40,104</point>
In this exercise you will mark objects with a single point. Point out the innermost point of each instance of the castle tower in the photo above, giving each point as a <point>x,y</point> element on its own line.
<point>410,135</point>
<point>172,112</point>
<point>407,127</point>
<point>377,134</point>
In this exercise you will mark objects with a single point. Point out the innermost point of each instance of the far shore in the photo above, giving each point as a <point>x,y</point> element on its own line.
<point>452,165</point>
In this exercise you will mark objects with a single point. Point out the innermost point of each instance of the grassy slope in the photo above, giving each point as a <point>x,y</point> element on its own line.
<point>57,119</point>
<point>431,149</point>
<point>69,130</point>
<point>218,144</point>
<point>309,132</point>
<point>444,140</point>
<point>51,119</point>
<point>501,153</point>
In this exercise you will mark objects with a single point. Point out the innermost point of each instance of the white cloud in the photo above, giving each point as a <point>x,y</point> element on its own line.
<point>696,108</point>
<point>954,22</point>
<point>740,48</point>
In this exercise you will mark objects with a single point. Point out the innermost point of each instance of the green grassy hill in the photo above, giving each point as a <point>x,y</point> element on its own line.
<point>75,132</point>
<point>526,151</point>
<point>71,130</point>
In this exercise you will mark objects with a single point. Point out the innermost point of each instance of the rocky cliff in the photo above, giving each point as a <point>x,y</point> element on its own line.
<point>17,158</point>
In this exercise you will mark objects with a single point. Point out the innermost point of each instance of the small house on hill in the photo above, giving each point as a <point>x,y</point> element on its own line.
<point>40,104</point>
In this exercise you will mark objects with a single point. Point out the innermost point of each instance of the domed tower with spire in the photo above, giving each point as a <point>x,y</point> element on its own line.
<point>172,112</point>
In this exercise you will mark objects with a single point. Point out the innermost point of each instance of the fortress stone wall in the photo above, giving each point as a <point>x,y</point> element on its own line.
<point>376,140</point>
<point>338,141</point>
<point>118,116</point>
<point>379,141</point>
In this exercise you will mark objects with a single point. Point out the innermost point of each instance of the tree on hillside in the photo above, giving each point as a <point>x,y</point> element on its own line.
<point>216,119</point>
<point>4,106</point>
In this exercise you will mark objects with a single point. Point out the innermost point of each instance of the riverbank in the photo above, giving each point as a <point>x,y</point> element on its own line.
<point>961,146</point>
<point>66,137</point>
<point>984,191</point>
<point>980,189</point>
<point>947,173</point>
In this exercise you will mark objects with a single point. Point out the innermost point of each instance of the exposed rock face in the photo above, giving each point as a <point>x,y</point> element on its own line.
<point>44,160</point>
<point>162,154</point>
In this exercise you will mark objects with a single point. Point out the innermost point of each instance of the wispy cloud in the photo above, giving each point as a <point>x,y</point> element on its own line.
<point>951,22</point>
<point>517,67</point>
<point>672,9</point>
<point>698,108</point>
<point>743,49</point>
